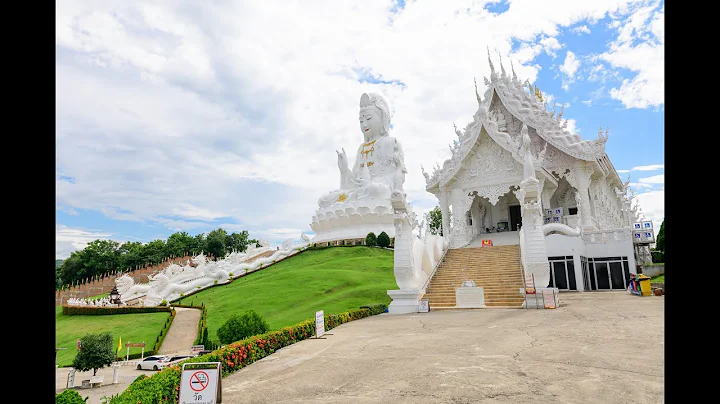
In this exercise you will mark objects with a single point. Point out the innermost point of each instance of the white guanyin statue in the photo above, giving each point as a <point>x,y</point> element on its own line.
<point>379,162</point>
<point>361,203</point>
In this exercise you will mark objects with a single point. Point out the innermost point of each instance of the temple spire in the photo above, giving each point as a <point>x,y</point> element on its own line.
<point>493,75</point>
<point>502,68</point>
<point>514,76</point>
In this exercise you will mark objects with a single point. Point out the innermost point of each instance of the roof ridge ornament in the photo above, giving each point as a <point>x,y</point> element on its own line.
<point>538,93</point>
<point>514,76</point>
<point>502,68</point>
<point>493,75</point>
<point>477,95</point>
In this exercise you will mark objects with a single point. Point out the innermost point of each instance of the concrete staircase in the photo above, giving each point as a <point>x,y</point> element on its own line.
<point>496,269</point>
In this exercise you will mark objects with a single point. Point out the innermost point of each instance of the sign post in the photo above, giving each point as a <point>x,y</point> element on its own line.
<point>201,383</point>
<point>319,323</point>
<point>195,349</point>
<point>134,345</point>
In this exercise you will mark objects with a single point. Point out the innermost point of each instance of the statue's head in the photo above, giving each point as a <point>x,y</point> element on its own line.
<point>374,116</point>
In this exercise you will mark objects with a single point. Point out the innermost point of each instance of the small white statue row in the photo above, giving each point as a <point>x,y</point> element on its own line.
<point>76,301</point>
<point>175,280</point>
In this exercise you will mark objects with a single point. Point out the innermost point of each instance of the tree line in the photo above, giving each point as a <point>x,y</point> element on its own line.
<point>103,257</point>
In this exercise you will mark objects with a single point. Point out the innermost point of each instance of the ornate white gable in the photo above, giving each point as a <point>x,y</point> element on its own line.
<point>490,164</point>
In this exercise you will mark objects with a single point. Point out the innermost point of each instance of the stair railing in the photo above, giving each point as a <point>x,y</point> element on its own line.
<point>437,265</point>
<point>522,266</point>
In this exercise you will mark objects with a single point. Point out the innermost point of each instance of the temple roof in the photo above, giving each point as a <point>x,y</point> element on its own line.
<point>525,103</point>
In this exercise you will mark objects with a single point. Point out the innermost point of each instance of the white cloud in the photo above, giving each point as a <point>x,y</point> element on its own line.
<point>640,47</point>
<point>69,239</point>
<point>568,68</point>
<point>652,204</point>
<point>655,179</point>
<point>176,116</point>
<point>550,45</point>
<point>582,29</point>
<point>651,167</point>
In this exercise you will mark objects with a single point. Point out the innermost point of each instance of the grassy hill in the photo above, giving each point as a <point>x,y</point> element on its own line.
<point>332,279</point>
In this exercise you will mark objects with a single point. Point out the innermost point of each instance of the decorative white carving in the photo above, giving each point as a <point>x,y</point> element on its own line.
<point>607,236</point>
<point>494,192</point>
<point>490,164</point>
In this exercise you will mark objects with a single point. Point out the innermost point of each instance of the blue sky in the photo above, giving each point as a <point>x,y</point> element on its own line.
<point>189,118</point>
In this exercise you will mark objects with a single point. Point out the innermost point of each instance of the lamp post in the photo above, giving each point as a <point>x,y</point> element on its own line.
<point>115,296</point>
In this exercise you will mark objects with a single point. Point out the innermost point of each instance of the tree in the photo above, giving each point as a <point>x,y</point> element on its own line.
<point>131,255</point>
<point>371,240</point>
<point>216,240</point>
<point>73,269</point>
<point>239,241</point>
<point>238,327</point>
<point>154,252</point>
<point>101,256</point>
<point>199,244</point>
<point>436,221</point>
<point>179,243</point>
<point>96,352</point>
<point>383,240</point>
<point>660,240</point>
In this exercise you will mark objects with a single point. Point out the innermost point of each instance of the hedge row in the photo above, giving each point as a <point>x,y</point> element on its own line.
<point>164,386</point>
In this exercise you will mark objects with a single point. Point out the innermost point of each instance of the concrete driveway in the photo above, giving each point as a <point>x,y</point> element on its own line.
<point>600,347</point>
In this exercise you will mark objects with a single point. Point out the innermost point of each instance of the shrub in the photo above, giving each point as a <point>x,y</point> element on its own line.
<point>371,240</point>
<point>658,256</point>
<point>238,327</point>
<point>383,240</point>
<point>70,397</point>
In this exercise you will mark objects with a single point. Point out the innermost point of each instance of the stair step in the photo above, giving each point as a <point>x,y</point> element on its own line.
<point>496,269</point>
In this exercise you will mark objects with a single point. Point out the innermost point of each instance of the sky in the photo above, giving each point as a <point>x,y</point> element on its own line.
<point>180,116</point>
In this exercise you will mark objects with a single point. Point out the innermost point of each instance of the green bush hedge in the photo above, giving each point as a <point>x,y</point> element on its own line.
<point>658,256</point>
<point>104,310</point>
<point>163,387</point>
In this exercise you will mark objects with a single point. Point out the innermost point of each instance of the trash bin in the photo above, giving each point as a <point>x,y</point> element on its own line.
<point>645,288</point>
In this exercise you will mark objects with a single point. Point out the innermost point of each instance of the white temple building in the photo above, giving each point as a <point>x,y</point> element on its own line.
<point>516,167</point>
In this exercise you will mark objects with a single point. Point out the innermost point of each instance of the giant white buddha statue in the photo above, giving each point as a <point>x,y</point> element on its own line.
<point>361,204</point>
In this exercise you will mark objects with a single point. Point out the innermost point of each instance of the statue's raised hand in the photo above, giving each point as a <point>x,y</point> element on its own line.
<point>342,160</point>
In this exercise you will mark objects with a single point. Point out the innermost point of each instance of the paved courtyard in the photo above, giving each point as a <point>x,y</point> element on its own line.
<point>600,347</point>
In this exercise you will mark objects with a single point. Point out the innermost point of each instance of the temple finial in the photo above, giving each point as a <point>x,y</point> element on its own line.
<point>514,76</point>
<point>493,75</point>
<point>502,68</point>
<point>477,95</point>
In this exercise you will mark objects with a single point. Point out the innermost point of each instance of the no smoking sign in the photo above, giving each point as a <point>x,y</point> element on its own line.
<point>200,383</point>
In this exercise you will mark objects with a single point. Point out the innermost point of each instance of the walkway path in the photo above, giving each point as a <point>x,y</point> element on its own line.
<point>183,331</point>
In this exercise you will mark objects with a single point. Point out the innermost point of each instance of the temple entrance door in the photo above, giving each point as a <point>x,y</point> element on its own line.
<point>515,217</point>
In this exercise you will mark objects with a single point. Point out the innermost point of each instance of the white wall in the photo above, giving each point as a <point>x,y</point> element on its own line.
<point>561,245</point>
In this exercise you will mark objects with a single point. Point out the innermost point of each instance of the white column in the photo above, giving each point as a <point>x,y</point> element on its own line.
<point>580,179</point>
<point>444,208</point>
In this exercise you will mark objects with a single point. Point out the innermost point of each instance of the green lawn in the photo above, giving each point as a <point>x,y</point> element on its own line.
<point>659,279</point>
<point>332,279</point>
<point>144,327</point>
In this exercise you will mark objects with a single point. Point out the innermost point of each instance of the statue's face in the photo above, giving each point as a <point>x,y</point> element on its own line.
<point>370,122</point>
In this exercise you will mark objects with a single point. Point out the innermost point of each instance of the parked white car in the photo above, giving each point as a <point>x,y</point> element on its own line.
<point>155,362</point>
